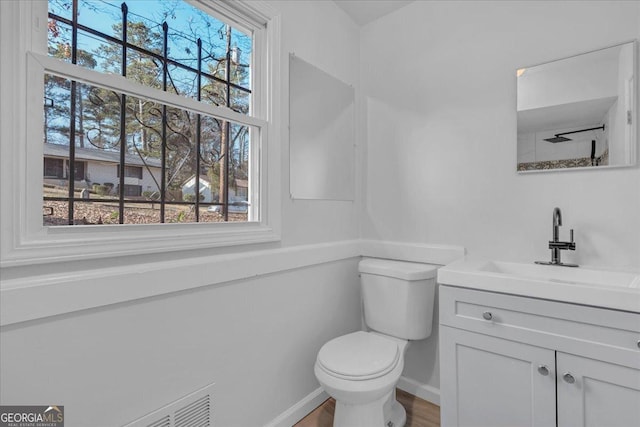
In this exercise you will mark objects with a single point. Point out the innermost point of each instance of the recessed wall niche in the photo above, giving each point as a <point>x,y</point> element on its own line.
<point>321,134</point>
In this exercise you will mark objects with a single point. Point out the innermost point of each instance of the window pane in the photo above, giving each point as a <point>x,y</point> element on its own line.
<point>181,154</point>
<point>88,213</point>
<point>61,8</point>
<point>211,160</point>
<point>56,109</point>
<point>214,50</point>
<point>214,92</point>
<point>240,101</point>
<point>241,52</point>
<point>182,47</point>
<point>59,40</point>
<point>151,131</point>
<point>225,51</point>
<point>143,68</point>
<point>106,54</point>
<point>238,174</point>
<point>182,82</point>
<point>54,213</point>
<point>142,30</point>
<point>103,15</point>
<point>143,164</point>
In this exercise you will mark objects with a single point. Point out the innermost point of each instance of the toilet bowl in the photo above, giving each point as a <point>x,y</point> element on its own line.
<point>360,370</point>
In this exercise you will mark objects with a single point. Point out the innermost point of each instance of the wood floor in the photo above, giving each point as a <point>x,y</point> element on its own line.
<point>420,413</point>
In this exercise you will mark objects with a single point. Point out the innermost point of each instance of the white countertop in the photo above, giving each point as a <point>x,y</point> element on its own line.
<point>582,285</point>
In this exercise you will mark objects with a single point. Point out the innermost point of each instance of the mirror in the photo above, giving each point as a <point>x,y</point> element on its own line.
<point>578,112</point>
<point>321,134</point>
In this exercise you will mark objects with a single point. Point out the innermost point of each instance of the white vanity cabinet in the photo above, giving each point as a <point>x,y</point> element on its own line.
<point>488,381</point>
<point>517,361</point>
<point>601,394</point>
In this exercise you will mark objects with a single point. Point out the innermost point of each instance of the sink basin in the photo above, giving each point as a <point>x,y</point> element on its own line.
<point>583,285</point>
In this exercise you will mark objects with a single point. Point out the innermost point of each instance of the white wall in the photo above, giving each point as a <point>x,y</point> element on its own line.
<point>451,121</point>
<point>256,339</point>
<point>323,35</point>
<point>439,91</point>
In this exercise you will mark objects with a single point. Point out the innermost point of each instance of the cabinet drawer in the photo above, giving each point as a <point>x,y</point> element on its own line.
<point>589,331</point>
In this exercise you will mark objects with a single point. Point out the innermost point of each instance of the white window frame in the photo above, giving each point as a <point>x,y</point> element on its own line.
<point>23,45</point>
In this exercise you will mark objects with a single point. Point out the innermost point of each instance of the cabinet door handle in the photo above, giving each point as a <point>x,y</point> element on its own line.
<point>543,370</point>
<point>568,378</point>
<point>487,315</point>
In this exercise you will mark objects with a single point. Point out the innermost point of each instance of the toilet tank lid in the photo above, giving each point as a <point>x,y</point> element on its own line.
<point>398,269</point>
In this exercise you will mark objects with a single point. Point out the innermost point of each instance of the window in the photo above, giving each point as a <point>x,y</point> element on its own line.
<point>131,172</point>
<point>132,190</point>
<point>164,45</point>
<point>59,168</point>
<point>175,92</point>
<point>53,168</point>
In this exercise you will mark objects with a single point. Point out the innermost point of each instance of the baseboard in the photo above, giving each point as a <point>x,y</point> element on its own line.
<point>300,409</point>
<point>423,391</point>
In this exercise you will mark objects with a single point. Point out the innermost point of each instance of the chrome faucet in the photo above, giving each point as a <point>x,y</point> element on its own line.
<point>556,245</point>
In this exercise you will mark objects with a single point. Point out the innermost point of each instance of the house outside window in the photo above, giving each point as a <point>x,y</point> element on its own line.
<point>211,118</point>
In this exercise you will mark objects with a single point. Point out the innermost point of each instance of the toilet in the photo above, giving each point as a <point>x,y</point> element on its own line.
<point>360,370</point>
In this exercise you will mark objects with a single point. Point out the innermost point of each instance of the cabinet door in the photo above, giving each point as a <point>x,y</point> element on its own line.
<point>493,382</point>
<point>597,393</point>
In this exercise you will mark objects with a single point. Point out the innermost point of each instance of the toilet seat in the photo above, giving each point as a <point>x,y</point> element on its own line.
<point>359,356</point>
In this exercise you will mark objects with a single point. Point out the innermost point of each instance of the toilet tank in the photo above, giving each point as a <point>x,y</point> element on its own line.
<point>398,297</point>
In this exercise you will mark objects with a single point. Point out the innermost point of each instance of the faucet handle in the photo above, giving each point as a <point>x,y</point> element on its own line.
<point>572,244</point>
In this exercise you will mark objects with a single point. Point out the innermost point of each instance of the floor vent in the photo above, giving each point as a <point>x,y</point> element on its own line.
<point>193,410</point>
